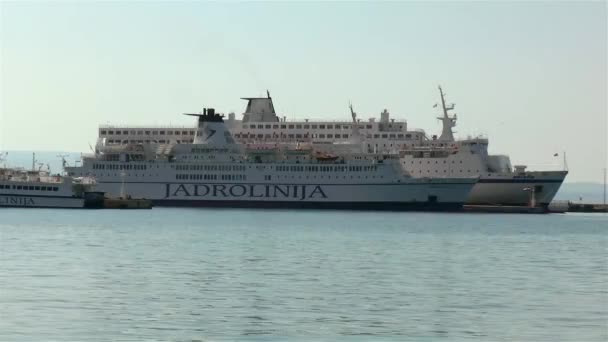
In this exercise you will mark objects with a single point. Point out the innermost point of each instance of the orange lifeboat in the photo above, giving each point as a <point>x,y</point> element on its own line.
<point>325,157</point>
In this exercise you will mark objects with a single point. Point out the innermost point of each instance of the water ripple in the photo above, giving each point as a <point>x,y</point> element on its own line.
<point>206,275</point>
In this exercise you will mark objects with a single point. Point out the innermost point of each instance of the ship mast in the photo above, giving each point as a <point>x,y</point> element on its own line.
<point>605,190</point>
<point>355,131</point>
<point>270,100</point>
<point>3,156</point>
<point>447,121</point>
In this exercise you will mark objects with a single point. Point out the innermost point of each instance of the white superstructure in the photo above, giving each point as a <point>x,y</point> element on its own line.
<point>499,183</point>
<point>261,124</point>
<point>214,170</point>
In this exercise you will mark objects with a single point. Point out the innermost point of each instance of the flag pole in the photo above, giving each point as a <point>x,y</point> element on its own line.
<point>605,188</point>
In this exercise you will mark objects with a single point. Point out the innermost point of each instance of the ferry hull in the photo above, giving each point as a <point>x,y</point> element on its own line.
<point>360,206</point>
<point>398,196</point>
<point>20,201</point>
<point>517,191</point>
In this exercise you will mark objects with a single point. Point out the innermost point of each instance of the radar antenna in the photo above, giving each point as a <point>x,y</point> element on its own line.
<point>353,114</point>
<point>64,162</point>
<point>33,161</point>
<point>3,156</point>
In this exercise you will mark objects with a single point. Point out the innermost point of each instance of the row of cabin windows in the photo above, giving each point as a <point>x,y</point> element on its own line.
<point>191,132</point>
<point>119,167</point>
<point>29,187</point>
<point>291,136</point>
<point>124,142</point>
<point>210,167</point>
<point>322,177</point>
<point>300,126</point>
<point>208,150</point>
<point>269,136</point>
<point>259,126</point>
<point>210,177</point>
<point>323,136</point>
<point>323,168</point>
<point>451,171</point>
<point>276,126</point>
<point>195,177</point>
<point>234,177</point>
<point>280,168</point>
<point>190,157</point>
<point>436,162</point>
<point>105,132</point>
<point>100,174</point>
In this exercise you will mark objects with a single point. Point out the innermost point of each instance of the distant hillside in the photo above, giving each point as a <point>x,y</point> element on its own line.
<point>590,192</point>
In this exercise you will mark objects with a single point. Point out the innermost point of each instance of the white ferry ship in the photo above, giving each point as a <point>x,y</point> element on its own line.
<point>214,170</point>
<point>499,183</point>
<point>422,156</point>
<point>38,189</point>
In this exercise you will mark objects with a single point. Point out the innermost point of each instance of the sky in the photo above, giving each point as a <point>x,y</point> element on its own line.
<point>531,76</point>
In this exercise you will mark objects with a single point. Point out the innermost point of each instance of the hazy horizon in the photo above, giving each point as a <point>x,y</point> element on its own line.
<point>530,76</point>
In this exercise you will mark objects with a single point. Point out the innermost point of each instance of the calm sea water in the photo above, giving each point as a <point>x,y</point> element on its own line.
<point>206,275</point>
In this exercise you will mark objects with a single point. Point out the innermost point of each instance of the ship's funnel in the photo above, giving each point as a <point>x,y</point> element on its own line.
<point>260,109</point>
<point>211,129</point>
